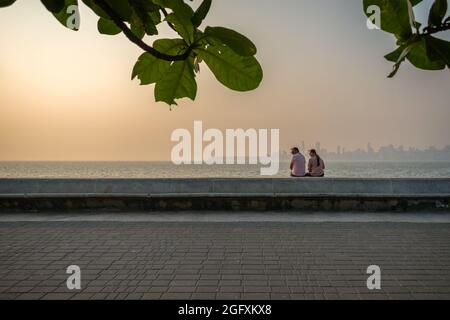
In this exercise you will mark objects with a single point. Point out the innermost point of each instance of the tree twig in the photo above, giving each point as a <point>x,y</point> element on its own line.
<point>431,29</point>
<point>164,11</point>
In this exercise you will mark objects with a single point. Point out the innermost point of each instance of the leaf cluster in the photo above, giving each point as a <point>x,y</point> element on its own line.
<point>415,40</point>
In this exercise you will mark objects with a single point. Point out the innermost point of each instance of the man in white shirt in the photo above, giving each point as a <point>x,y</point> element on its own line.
<point>298,164</point>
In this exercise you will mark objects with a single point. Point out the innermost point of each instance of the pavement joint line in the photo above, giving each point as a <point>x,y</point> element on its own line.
<point>215,217</point>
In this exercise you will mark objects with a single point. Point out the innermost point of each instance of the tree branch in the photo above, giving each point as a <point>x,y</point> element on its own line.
<point>431,30</point>
<point>136,40</point>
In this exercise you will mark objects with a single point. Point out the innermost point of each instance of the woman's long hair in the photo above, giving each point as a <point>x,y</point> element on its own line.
<point>314,152</point>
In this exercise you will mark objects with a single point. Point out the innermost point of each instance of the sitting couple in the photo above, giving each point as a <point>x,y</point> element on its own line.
<point>316,166</point>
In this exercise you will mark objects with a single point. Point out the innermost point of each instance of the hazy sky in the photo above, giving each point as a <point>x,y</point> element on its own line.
<point>68,95</point>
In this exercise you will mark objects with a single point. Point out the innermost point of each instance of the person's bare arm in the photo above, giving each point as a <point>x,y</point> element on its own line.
<point>292,164</point>
<point>309,166</point>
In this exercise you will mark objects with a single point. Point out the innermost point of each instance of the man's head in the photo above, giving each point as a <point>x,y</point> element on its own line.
<point>295,150</point>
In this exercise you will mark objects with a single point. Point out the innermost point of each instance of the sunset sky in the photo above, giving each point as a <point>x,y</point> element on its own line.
<point>68,95</point>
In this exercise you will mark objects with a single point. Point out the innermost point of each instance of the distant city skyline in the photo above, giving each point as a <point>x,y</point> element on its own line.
<point>383,153</point>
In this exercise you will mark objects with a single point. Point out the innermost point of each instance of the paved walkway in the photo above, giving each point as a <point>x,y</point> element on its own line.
<point>138,259</point>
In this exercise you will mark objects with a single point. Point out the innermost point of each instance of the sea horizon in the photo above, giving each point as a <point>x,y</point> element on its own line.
<point>166,169</point>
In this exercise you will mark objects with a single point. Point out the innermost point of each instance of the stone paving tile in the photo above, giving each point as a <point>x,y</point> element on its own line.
<point>32,296</point>
<point>203,296</point>
<point>229,261</point>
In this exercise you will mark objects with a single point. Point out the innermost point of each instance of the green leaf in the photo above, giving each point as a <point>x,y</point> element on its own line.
<point>438,49</point>
<point>395,16</point>
<point>437,12</point>
<point>69,16</point>
<point>201,13</point>
<point>149,69</point>
<point>141,15</point>
<point>398,56</point>
<point>144,5</point>
<point>179,7</point>
<point>122,8</point>
<point>108,27</point>
<point>53,6</point>
<point>170,46</point>
<point>236,41</point>
<point>183,26</point>
<point>232,70</point>
<point>178,82</point>
<point>136,25</point>
<point>138,30</point>
<point>156,17</point>
<point>419,57</point>
<point>6,3</point>
<point>173,80</point>
<point>180,17</point>
<point>394,55</point>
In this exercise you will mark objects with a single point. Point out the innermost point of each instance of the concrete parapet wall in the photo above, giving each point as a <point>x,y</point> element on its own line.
<point>225,194</point>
